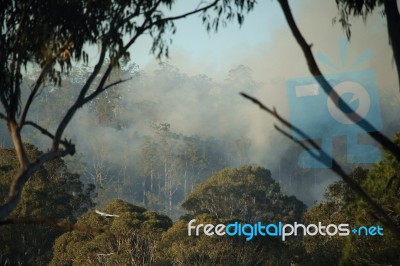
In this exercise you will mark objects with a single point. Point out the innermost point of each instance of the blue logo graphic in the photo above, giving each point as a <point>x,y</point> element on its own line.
<point>322,117</point>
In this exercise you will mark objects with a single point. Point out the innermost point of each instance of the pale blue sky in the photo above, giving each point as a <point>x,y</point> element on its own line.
<point>192,37</point>
<point>264,42</point>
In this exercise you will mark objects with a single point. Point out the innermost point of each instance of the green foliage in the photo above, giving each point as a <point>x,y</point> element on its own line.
<point>41,31</point>
<point>357,8</point>
<point>246,193</point>
<point>342,205</point>
<point>129,239</point>
<point>52,193</point>
<point>177,248</point>
<point>53,33</point>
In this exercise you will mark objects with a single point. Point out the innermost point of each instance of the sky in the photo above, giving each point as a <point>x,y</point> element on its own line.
<point>265,44</point>
<point>263,37</point>
<point>192,43</point>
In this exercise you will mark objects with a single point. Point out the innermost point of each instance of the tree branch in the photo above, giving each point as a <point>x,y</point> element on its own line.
<point>99,91</point>
<point>80,101</point>
<point>189,13</point>
<point>160,21</point>
<point>72,110</point>
<point>336,168</point>
<point>27,168</point>
<point>34,90</point>
<point>393,24</point>
<point>41,129</point>
<point>275,114</point>
<point>45,132</point>
<point>15,133</point>
<point>315,71</point>
<point>23,175</point>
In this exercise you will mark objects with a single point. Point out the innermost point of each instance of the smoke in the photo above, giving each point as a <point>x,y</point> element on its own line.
<point>280,58</point>
<point>198,99</point>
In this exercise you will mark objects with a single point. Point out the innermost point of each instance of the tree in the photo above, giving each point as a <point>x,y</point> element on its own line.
<point>51,35</point>
<point>129,239</point>
<point>343,204</point>
<point>363,8</point>
<point>246,193</point>
<point>357,8</point>
<point>172,164</point>
<point>177,248</point>
<point>52,192</point>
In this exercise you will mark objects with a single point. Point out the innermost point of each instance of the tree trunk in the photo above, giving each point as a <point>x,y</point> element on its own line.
<point>393,24</point>
<point>18,145</point>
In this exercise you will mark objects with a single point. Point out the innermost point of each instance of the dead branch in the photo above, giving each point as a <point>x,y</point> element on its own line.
<point>45,132</point>
<point>336,168</point>
<point>34,91</point>
<point>315,71</point>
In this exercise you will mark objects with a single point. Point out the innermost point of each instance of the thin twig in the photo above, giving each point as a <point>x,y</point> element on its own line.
<point>44,131</point>
<point>275,114</point>
<point>316,72</point>
<point>34,91</point>
<point>336,168</point>
<point>100,90</point>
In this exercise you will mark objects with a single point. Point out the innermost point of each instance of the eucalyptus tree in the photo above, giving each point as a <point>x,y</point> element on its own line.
<point>52,35</point>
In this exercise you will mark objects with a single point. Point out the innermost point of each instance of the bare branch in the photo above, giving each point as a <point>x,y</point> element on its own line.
<point>160,21</point>
<point>336,168</point>
<point>51,223</point>
<point>41,129</point>
<point>300,143</point>
<point>72,110</point>
<point>315,71</point>
<point>45,132</point>
<point>100,90</point>
<point>189,13</point>
<point>275,114</point>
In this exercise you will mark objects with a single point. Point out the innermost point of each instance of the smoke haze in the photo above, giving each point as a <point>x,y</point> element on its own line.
<point>199,96</point>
